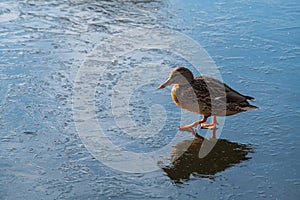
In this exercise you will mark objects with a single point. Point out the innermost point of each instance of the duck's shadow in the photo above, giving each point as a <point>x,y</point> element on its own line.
<point>185,158</point>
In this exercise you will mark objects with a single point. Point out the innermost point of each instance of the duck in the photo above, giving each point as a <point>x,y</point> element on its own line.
<point>205,96</point>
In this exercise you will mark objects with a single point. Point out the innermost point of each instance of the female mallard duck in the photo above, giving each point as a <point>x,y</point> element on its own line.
<point>205,96</point>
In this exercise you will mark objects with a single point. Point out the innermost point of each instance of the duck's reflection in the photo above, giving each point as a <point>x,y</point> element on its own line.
<point>185,158</point>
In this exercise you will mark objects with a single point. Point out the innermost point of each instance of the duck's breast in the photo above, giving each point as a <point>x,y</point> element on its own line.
<point>185,97</point>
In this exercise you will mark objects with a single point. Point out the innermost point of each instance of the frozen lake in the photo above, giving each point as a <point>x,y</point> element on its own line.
<point>47,45</point>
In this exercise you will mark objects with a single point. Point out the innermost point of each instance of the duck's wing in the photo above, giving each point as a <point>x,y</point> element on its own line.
<point>216,89</point>
<point>191,95</point>
<point>234,96</point>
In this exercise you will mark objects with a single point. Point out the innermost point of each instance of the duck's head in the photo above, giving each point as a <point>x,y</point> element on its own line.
<point>179,75</point>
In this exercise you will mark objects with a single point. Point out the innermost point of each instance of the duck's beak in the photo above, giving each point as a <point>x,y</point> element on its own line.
<point>161,87</point>
<point>167,83</point>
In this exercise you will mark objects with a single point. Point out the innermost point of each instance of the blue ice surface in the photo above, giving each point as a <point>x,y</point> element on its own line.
<point>255,45</point>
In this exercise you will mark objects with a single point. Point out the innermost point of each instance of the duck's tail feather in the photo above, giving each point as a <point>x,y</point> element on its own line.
<point>250,98</point>
<point>250,107</point>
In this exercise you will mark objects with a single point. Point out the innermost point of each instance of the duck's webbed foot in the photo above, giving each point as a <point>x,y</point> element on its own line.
<point>189,127</point>
<point>213,125</point>
<point>208,126</point>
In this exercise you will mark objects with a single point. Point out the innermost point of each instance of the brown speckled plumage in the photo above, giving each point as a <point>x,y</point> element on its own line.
<point>197,97</point>
<point>204,95</point>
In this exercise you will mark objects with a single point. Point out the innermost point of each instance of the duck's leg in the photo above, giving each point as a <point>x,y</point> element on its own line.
<point>189,127</point>
<point>213,124</point>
